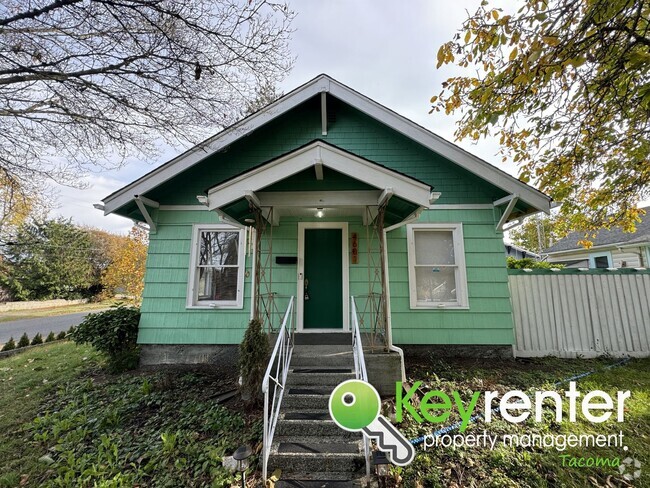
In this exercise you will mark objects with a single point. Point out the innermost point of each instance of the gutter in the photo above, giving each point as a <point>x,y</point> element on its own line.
<point>389,328</point>
<point>612,246</point>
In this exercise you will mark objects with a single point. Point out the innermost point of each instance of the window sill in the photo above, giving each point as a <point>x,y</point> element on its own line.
<point>438,307</point>
<point>214,307</point>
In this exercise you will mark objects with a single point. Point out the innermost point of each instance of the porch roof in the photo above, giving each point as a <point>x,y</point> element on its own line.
<point>236,198</point>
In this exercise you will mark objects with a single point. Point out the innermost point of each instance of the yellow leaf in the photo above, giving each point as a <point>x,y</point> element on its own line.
<point>468,36</point>
<point>495,14</point>
<point>513,54</point>
<point>551,40</point>
<point>433,99</point>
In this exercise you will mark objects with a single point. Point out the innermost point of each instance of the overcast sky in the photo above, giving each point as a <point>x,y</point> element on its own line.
<point>379,48</point>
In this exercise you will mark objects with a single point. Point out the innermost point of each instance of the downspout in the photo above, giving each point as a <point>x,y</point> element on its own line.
<point>389,326</point>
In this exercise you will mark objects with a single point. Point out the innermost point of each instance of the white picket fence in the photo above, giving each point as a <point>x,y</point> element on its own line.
<point>581,314</point>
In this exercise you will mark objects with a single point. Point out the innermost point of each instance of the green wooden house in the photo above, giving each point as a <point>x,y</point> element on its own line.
<point>325,195</point>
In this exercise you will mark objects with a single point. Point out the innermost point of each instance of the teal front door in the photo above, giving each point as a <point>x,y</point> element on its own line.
<point>323,277</point>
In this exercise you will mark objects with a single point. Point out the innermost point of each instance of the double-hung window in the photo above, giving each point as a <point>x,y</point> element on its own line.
<point>217,267</point>
<point>436,258</point>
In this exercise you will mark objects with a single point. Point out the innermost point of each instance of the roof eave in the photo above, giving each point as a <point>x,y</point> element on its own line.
<point>324,83</point>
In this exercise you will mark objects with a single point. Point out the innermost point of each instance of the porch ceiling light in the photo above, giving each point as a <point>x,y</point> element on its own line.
<point>319,212</point>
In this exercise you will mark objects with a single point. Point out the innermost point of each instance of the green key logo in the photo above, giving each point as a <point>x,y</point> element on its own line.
<point>354,404</point>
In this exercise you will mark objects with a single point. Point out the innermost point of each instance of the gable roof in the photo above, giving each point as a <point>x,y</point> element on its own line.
<point>325,84</point>
<point>403,195</point>
<point>606,237</point>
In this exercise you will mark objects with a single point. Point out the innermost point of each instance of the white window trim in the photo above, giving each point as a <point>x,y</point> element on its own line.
<point>462,301</point>
<point>593,256</point>
<point>192,282</point>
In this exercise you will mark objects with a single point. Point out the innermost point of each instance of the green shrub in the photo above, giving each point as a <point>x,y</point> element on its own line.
<point>71,329</point>
<point>61,335</point>
<point>24,341</point>
<point>113,332</point>
<point>38,339</point>
<point>11,344</point>
<point>530,263</point>
<point>253,358</point>
<point>50,337</point>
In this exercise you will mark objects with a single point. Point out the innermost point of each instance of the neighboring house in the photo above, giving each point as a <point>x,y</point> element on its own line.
<point>519,252</point>
<point>322,195</point>
<point>611,248</point>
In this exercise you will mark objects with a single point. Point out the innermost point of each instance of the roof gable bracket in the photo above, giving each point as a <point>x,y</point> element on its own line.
<point>511,200</point>
<point>141,202</point>
<point>266,212</point>
<point>225,218</point>
<point>385,196</point>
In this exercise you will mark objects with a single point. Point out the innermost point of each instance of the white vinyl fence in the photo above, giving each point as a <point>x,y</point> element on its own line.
<point>574,313</point>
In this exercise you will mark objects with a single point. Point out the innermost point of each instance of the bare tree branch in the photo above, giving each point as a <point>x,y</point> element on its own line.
<point>83,84</point>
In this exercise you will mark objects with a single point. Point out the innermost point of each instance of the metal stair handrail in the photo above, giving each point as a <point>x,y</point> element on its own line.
<point>276,372</point>
<point>359,368</point>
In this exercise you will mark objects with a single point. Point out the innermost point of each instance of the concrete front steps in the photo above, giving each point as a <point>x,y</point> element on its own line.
<point>309,448</point>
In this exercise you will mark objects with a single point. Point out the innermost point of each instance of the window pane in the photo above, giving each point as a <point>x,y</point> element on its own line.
<point>219,248</point>
<point>434,247</point>
<point>217,284</point>
<point>601,262</point>
<point>435,284</point>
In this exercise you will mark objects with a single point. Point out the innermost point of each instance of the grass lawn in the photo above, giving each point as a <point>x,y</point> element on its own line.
<point>53,311</point>
<point>65,422</point>
<point>510,466</point>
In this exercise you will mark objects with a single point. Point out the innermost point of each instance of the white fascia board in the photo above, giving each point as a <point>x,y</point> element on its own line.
<point>439,145</point>
<point>303,158</point>
<point>214,144</point>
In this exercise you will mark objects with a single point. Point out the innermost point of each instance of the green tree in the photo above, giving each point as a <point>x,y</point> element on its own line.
<point>48,260</point>
<point>535,234</point>
<point>125,270</point>
<point>564,84</point>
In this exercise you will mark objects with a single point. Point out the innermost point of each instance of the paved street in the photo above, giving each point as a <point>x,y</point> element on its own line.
<point>44,325</point>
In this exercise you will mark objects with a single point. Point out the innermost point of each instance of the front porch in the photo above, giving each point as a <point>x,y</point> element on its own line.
<point>316,221</point>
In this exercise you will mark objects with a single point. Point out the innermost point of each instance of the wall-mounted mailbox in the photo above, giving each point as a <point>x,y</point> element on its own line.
<point>286,260</point>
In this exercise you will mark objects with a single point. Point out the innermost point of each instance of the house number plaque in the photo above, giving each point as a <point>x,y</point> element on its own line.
<point>355,248</point>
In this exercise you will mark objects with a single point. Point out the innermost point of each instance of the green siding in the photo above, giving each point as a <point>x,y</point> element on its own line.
<point>489,317</point>
<point>166,320</point>
<point>351,130</point>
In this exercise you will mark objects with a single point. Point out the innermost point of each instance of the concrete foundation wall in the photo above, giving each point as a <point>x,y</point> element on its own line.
<point>384,370</point>
<point>422,352</point>
<point>222,356</point>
